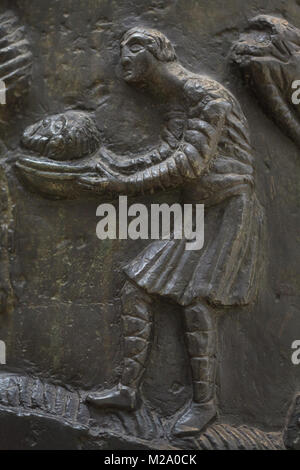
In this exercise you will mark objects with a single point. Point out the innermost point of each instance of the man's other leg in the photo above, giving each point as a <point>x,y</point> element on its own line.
<point>137,329</point>
<point>201,340</point>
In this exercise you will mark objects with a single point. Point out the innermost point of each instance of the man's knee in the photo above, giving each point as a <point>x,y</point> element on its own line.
<point>199,317</point>
<point>135,301</point>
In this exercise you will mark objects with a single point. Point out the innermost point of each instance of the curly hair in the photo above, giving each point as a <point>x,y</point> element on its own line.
<point>66,136</point>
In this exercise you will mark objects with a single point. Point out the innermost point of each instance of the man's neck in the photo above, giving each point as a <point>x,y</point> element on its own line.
<point>167,81</point>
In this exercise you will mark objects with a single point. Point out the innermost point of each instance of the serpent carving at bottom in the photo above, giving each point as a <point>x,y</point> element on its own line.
<point>27,396</point>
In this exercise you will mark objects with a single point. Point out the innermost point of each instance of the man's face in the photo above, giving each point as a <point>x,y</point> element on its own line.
<point>48,135</point>
<point>137,62</point>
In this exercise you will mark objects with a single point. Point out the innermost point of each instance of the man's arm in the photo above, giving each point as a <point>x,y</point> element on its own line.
<point>186,163</point>
<point>170,139</point>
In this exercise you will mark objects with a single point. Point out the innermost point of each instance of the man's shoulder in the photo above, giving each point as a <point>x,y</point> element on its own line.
<point>198,88</point>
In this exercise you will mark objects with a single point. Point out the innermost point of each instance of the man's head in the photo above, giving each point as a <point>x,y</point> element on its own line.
<point>66,136</point>
<point>141,50</point>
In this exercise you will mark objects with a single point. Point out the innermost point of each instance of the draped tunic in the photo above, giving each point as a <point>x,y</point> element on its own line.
<point>205,150</point>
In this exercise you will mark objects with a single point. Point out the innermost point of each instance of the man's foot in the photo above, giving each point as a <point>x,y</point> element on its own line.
<point>118,397</point>
<point>194,420</point>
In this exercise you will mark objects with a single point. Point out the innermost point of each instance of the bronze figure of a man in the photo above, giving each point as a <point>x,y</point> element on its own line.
<point>204,149</point>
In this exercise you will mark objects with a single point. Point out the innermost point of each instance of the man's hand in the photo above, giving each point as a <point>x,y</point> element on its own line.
<point>107,158</point>
<point>106,182</point>
<point>116,163</point>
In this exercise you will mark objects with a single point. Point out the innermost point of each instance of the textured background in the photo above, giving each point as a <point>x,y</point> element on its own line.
<point>66,325</point>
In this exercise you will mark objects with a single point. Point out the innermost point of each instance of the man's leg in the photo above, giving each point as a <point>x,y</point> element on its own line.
<point>201,339</point>
<point>137,329</point>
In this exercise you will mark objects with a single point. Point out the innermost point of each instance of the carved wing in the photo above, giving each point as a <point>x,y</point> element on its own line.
<point>15,56</point>
<point>269,57</point>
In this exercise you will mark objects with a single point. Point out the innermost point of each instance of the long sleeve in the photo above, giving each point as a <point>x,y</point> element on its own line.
<point>170,139</point>
<point>192,156</point>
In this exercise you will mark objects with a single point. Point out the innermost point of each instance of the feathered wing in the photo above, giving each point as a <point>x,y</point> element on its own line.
<point>15,56</point>
<point>270,67</point>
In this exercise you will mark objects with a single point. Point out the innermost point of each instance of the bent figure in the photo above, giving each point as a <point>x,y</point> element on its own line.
<point>204,150</point>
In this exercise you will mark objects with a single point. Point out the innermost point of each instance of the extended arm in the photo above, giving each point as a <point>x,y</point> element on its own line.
<point>170,139</point>
<point>186,163</point>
